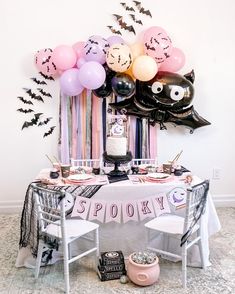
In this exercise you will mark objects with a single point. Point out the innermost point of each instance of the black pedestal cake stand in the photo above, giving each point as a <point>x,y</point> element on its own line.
<point>117,160</point>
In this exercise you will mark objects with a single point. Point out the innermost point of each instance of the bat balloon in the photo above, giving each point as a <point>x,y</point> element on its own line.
<point>164,99</point>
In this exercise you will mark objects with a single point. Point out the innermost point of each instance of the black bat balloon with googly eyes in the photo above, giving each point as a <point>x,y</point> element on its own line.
<point>164,99</point>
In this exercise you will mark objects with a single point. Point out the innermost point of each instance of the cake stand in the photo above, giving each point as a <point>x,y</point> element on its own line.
<point>117,160</point>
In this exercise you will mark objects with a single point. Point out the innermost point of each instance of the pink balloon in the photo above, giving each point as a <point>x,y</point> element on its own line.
<point>153,31</point>
<point>44,63</point>
<point>80,62</point>
<point>157,44</point>
<point>64,57</point>
<point>78,48</point>
<point>175,62</point>
<point>92,75</point>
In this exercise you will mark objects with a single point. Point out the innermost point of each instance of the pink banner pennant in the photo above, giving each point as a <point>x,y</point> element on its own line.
<point>129,211</point>
<point>160,204</point>
<point>113,212</point>
<point>81,207</point>
<point>97,210</point>
<point>145,208</point>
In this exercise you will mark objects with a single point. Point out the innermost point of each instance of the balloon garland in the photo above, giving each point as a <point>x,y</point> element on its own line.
<point>142,74</point>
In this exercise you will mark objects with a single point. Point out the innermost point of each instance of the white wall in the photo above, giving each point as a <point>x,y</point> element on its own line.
<point>204,30</point>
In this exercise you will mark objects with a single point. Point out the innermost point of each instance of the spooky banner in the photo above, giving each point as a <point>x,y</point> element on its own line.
<point>124,211</point>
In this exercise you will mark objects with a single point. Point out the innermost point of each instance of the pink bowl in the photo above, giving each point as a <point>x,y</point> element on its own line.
<point>143,274</point>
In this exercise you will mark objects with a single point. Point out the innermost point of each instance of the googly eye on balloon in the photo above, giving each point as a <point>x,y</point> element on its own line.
<point>177,93</point>
<point>157,87</point>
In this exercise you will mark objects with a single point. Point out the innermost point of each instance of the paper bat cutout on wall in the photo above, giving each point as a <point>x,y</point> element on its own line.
<point>33,121</point>
<point>45,121</point>
<point>38,81</point>
<point>33,95</point>
<point>123,24</point>
<point>128,8</point>
<point>49,132</point>
<point>25,110</point>
<point>114,31</point>
<point>25,101</point>
<point>136,20</point>
<point>141,9</point>
<point>46,77</point>
<point>44,93</point>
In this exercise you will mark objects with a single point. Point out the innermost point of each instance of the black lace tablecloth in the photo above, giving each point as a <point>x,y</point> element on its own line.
<point>29,230</point>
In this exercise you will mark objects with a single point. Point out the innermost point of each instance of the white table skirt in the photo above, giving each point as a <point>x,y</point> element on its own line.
<point>132,236</point>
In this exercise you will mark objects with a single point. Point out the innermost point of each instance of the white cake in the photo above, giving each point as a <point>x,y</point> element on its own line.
<point>116,146</point>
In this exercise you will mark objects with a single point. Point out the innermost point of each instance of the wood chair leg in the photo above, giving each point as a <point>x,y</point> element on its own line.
<point>39,258</point>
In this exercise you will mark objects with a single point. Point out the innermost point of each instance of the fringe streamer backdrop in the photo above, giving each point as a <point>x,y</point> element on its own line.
<point>83,125</point>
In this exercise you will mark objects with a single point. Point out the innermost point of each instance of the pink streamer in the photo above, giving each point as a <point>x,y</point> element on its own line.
<point>64,155</point>
<point>132,121</point>
<point>96,116</point>
<point>83,125</point>
<point>74,129</point>
<point>79,138</point>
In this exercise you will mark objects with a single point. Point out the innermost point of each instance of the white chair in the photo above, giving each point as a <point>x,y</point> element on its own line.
<point>86,162</point>
<point>187,229</point>
<point>51,213</point>
<point>140,161</point>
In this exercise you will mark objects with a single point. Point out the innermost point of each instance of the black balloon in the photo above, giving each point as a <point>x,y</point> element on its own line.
<point>123,85</point>
<point>164,99</point>
<point>109,73</point>
<point>104,91</point>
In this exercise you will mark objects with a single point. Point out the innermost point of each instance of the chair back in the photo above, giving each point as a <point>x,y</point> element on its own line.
<point>139,161</point>
<point>195,207</point>
<point>86,162</point>
<point>50,206</point>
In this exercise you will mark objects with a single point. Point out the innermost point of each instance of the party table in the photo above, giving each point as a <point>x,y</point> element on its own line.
<point>121,209</point>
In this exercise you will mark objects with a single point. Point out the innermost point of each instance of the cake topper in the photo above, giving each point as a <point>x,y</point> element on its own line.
<point>117,125</point>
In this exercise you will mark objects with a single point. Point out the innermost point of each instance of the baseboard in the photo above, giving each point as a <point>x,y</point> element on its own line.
<point>224,200</point>
<point>220,200</point>
<point>11,207</point>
